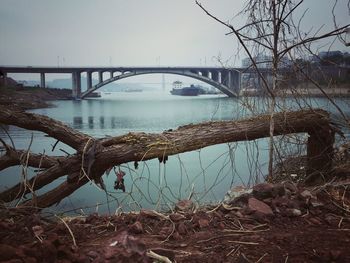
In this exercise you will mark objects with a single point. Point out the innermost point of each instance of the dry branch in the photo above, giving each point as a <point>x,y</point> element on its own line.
<point>51,127</point>
<point>70,165</point>
<point>15,157</point>
<point>94,157</point>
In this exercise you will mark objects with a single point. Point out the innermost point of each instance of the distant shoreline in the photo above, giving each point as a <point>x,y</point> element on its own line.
<point>341,92</point>
<point>27,98</point>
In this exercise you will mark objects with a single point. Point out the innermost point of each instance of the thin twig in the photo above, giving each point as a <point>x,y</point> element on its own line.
<point>158,257</point>
<point>261,258</point>
<point>70,231</point>
<point>233,251</point>
<point>243,242</point>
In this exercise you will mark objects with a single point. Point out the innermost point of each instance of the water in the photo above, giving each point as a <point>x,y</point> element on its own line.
<point>205,174</point>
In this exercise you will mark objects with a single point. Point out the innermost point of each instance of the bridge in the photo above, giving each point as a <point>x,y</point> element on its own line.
<point>227,80</point>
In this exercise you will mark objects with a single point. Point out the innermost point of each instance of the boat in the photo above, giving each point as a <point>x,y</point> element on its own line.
<point>184,91</point>
<point>133,90</point>
<point>94,95</point>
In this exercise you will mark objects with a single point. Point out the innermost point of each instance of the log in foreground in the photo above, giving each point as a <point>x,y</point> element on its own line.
<point>94,156</point>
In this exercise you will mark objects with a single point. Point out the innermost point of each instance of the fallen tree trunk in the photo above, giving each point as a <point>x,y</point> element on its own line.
<point>94,156</point>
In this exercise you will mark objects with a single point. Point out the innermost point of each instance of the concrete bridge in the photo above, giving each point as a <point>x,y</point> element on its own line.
<point>227,80</point>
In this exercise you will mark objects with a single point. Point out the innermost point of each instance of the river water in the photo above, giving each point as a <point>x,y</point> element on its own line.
<point>205,174</point>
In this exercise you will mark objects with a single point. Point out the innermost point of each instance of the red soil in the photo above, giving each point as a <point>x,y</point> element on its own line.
<point>228,233</point>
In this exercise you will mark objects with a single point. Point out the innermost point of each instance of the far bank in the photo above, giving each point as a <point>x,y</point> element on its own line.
<point>25,98</point>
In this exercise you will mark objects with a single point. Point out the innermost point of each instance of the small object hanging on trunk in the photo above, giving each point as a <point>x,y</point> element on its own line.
<point>119,183</point>
<point>163,159</point>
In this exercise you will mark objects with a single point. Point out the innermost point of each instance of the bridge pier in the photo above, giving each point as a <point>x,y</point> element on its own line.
<point>260,81</point>
<point>235,81</point>
<point>100,76</point>
<point>76,85</point>
<point>205,73</point>
<point>42,80</point>
<point>89,80</point>
<point>215,75</point>
<point>231,79</point>
<point>224,78</point>
<point>239,81</point>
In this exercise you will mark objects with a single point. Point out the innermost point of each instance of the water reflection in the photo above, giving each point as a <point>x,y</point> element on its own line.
<point>77,106</point>
<point>102,122</point>
<point>91,122</point>
<point>78,122</point>
<point>113,120</point>
<point>99,122</point>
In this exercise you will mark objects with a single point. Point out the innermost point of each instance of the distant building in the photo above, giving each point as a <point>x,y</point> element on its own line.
<point>264,61</point>
<point>329,66</point>
<point>252,81</point>
<point>325,54</point>
<point>324,67</point>
<point>335,57</point>
<point>261,60</point>
<point>285,62</point>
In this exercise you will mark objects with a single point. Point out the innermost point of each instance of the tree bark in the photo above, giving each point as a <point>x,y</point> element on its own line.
<point>17,157</point>
<point>51,127</point>
<point>95,156</point>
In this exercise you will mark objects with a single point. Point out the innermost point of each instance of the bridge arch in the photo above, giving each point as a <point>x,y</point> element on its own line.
<point>220,86</point>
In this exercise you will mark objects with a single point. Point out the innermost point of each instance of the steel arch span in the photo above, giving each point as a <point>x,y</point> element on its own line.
<point>227,80</point>
<point>229,83</point>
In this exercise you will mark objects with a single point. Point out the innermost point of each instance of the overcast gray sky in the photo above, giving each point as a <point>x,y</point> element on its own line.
<point>128,32</point>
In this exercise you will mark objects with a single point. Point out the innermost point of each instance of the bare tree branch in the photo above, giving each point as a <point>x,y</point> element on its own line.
<point>335,32</point>
<point>266,86</point>
<point>47,125</point>
<point>15,157</point>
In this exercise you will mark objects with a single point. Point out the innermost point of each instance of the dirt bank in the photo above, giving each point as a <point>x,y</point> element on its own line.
<point>31,97</point>
<point>305,90</point>
<point>273,223</point>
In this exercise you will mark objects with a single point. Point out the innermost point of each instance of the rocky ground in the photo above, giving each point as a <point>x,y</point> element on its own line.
<point>269,223</point>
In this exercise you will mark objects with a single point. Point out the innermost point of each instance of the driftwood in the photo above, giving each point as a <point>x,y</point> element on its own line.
<point>94,156</point>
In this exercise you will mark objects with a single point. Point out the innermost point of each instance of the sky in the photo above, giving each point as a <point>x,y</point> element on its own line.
<point>131,32</point>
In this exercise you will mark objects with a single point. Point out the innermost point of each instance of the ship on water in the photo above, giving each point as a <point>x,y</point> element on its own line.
<point>184,91</point>
<point>133,90</point>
